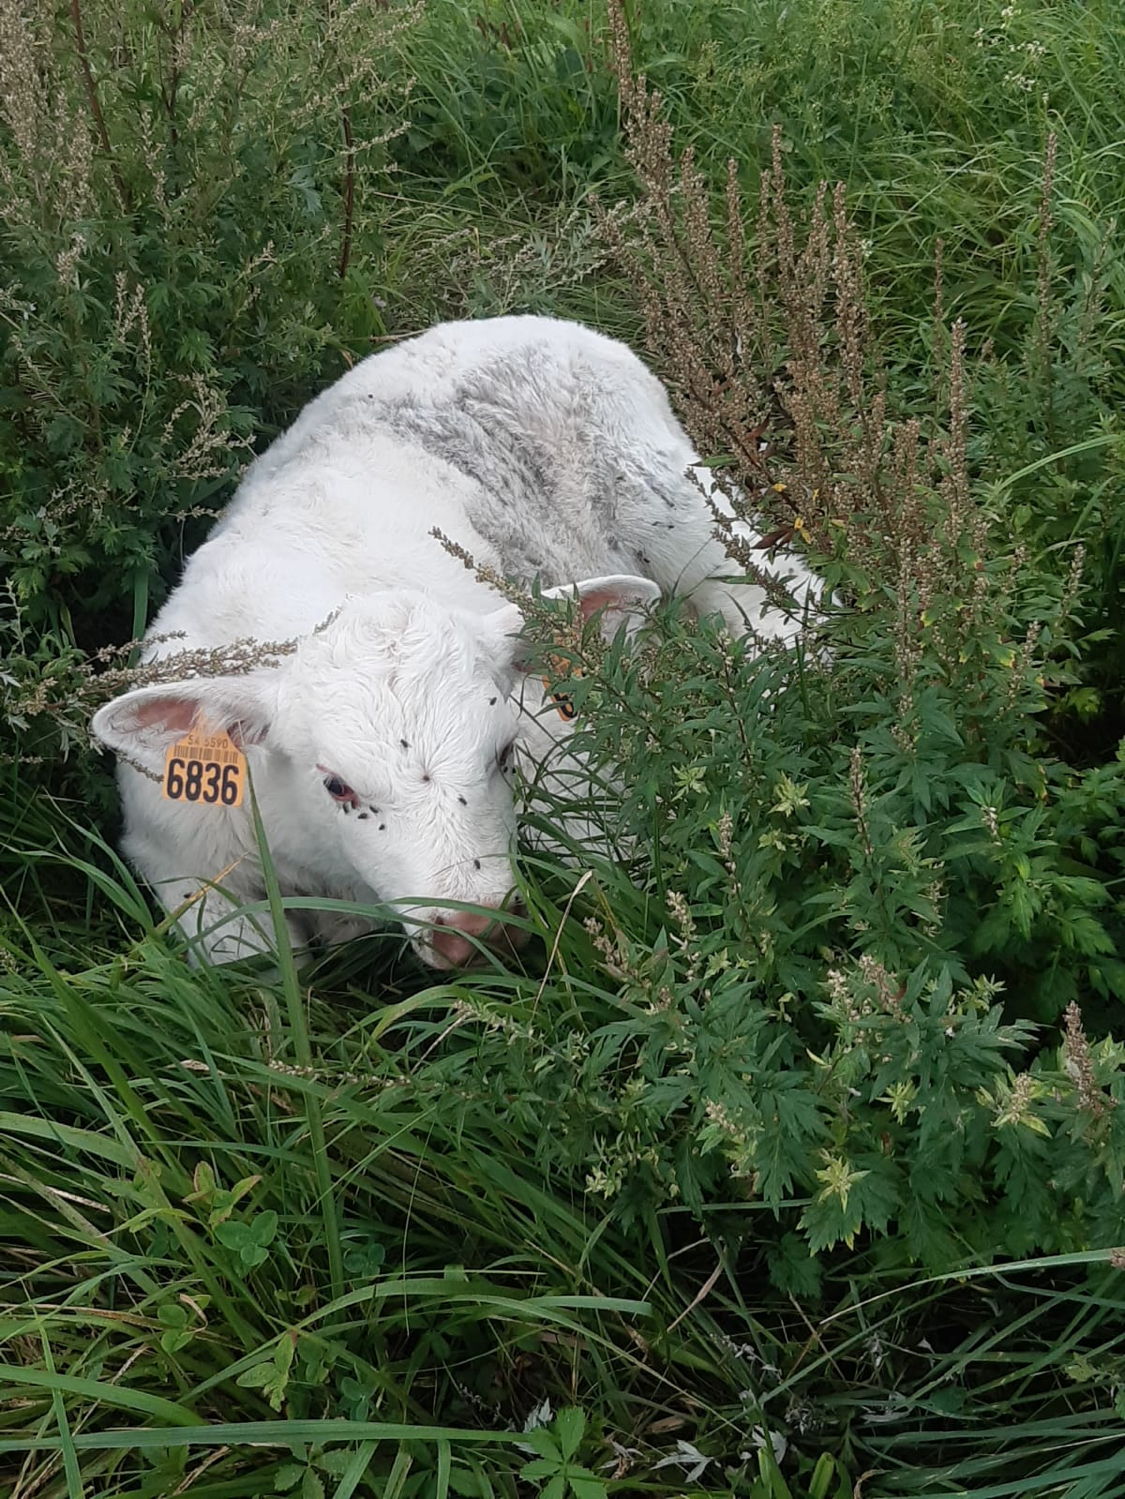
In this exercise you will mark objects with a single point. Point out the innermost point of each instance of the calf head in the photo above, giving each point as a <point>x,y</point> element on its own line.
<point>381,752</point>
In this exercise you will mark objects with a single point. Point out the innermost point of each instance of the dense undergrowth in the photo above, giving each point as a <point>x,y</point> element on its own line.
<point>792,1162</point>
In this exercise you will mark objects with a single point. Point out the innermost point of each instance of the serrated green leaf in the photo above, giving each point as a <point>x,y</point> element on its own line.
<point>586,1485</point>
<point>540,1467</point>
<point>569,1426</point>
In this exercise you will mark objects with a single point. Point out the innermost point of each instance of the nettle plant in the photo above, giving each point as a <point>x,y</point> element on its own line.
<point>856,892</point>
<point>809,987</point>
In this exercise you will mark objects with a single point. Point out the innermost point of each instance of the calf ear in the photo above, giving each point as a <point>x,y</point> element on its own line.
<point>140,725</point>
<point>621,602</point>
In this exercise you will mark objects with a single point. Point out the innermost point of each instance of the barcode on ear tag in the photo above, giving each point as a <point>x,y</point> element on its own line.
<point>206,769</point>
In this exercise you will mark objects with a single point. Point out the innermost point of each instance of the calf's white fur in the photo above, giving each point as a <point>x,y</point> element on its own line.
<point>379,748</point>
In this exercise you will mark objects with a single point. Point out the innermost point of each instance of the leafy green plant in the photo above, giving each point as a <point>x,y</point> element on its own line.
<point>250,1240</point>
<point>556,1467</point>
<point>271,1376</point>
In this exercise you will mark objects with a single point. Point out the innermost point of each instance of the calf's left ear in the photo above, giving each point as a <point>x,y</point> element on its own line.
<point>620,602</point>
<point>142,724</point>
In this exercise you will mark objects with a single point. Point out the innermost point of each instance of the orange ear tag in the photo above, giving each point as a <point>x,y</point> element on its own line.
<point>204,767</point>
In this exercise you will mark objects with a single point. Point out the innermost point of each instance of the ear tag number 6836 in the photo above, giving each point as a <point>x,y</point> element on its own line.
<point>204,769</point>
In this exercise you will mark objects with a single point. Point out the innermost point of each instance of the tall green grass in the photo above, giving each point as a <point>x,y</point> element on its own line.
<point>262,1275</point>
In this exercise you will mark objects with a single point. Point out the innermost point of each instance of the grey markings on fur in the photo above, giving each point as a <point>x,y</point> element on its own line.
<point>547,499</point>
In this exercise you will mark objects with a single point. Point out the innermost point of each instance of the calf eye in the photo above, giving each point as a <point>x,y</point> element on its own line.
<point>339,792</point>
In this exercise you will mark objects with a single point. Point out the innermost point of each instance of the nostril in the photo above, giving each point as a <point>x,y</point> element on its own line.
<point>457,936</point>
<point>451,946</point>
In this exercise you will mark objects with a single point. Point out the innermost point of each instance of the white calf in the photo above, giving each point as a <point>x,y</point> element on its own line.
<point>379,748</point>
